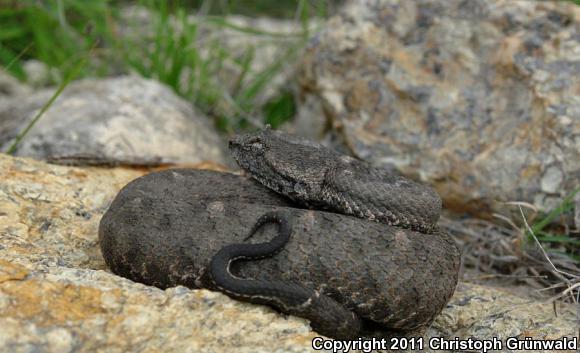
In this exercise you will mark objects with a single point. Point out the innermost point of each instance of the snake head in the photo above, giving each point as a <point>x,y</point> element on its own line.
<point>246,148</point>
<point>252,153</point>
<point>286,164</point>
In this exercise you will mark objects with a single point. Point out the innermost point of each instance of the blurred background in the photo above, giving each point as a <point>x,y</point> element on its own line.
<point>225,57</point>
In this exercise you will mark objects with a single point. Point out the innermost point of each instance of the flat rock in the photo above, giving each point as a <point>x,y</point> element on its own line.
<point>59,309</point>
<point>479,98</point>
<point>57,296</point>
<point>124,120</point>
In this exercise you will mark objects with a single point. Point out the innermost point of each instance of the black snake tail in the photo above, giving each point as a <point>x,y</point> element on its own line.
<point>326,316</point>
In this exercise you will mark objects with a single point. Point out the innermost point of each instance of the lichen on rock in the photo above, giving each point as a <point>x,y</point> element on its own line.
<point>478,98</point>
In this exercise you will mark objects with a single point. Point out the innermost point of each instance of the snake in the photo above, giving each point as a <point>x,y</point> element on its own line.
<point>356,249</point>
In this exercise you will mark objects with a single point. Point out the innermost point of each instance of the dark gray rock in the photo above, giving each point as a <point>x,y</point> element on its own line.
<point>124,120</point>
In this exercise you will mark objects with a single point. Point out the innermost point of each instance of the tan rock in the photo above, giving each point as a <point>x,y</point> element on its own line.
<point>51,214</point>
<point>59,309</point>
<point>56,295</point>
<point>484,312</point>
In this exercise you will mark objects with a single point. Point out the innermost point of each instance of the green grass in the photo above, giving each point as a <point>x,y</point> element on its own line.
<point>270,8</point>
<point>62,33</point>
<point>560,241</point>
<point>58,33</point>
<point>71,76</point>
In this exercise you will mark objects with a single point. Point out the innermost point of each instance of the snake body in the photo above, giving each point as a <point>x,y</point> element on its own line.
<point>318,177</point>
<point>288,297</point>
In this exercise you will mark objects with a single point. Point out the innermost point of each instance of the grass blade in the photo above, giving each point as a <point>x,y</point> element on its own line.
<point>12,149</point>
<point>222,22</point>
<point>566,205</point>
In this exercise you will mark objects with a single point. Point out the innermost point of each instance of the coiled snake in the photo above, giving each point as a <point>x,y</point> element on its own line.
<point>386,270</point>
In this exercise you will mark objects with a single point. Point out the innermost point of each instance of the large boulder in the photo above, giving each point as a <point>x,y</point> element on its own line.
<point>479,98</point>
<point>125,120</point>
<point>56,294</point>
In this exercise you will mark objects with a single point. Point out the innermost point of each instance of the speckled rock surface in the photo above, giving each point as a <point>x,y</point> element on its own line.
<point>479,98</point>
<point>484,312</point>
<point>50,214</point>
<point>60,309</point>
<point>57,296</point>
<point>125,120</point>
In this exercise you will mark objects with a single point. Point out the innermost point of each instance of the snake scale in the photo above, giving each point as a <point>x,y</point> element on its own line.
<point>352,248</point>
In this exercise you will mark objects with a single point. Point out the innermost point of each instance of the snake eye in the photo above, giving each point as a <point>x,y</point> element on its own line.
<point>255,143</point>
